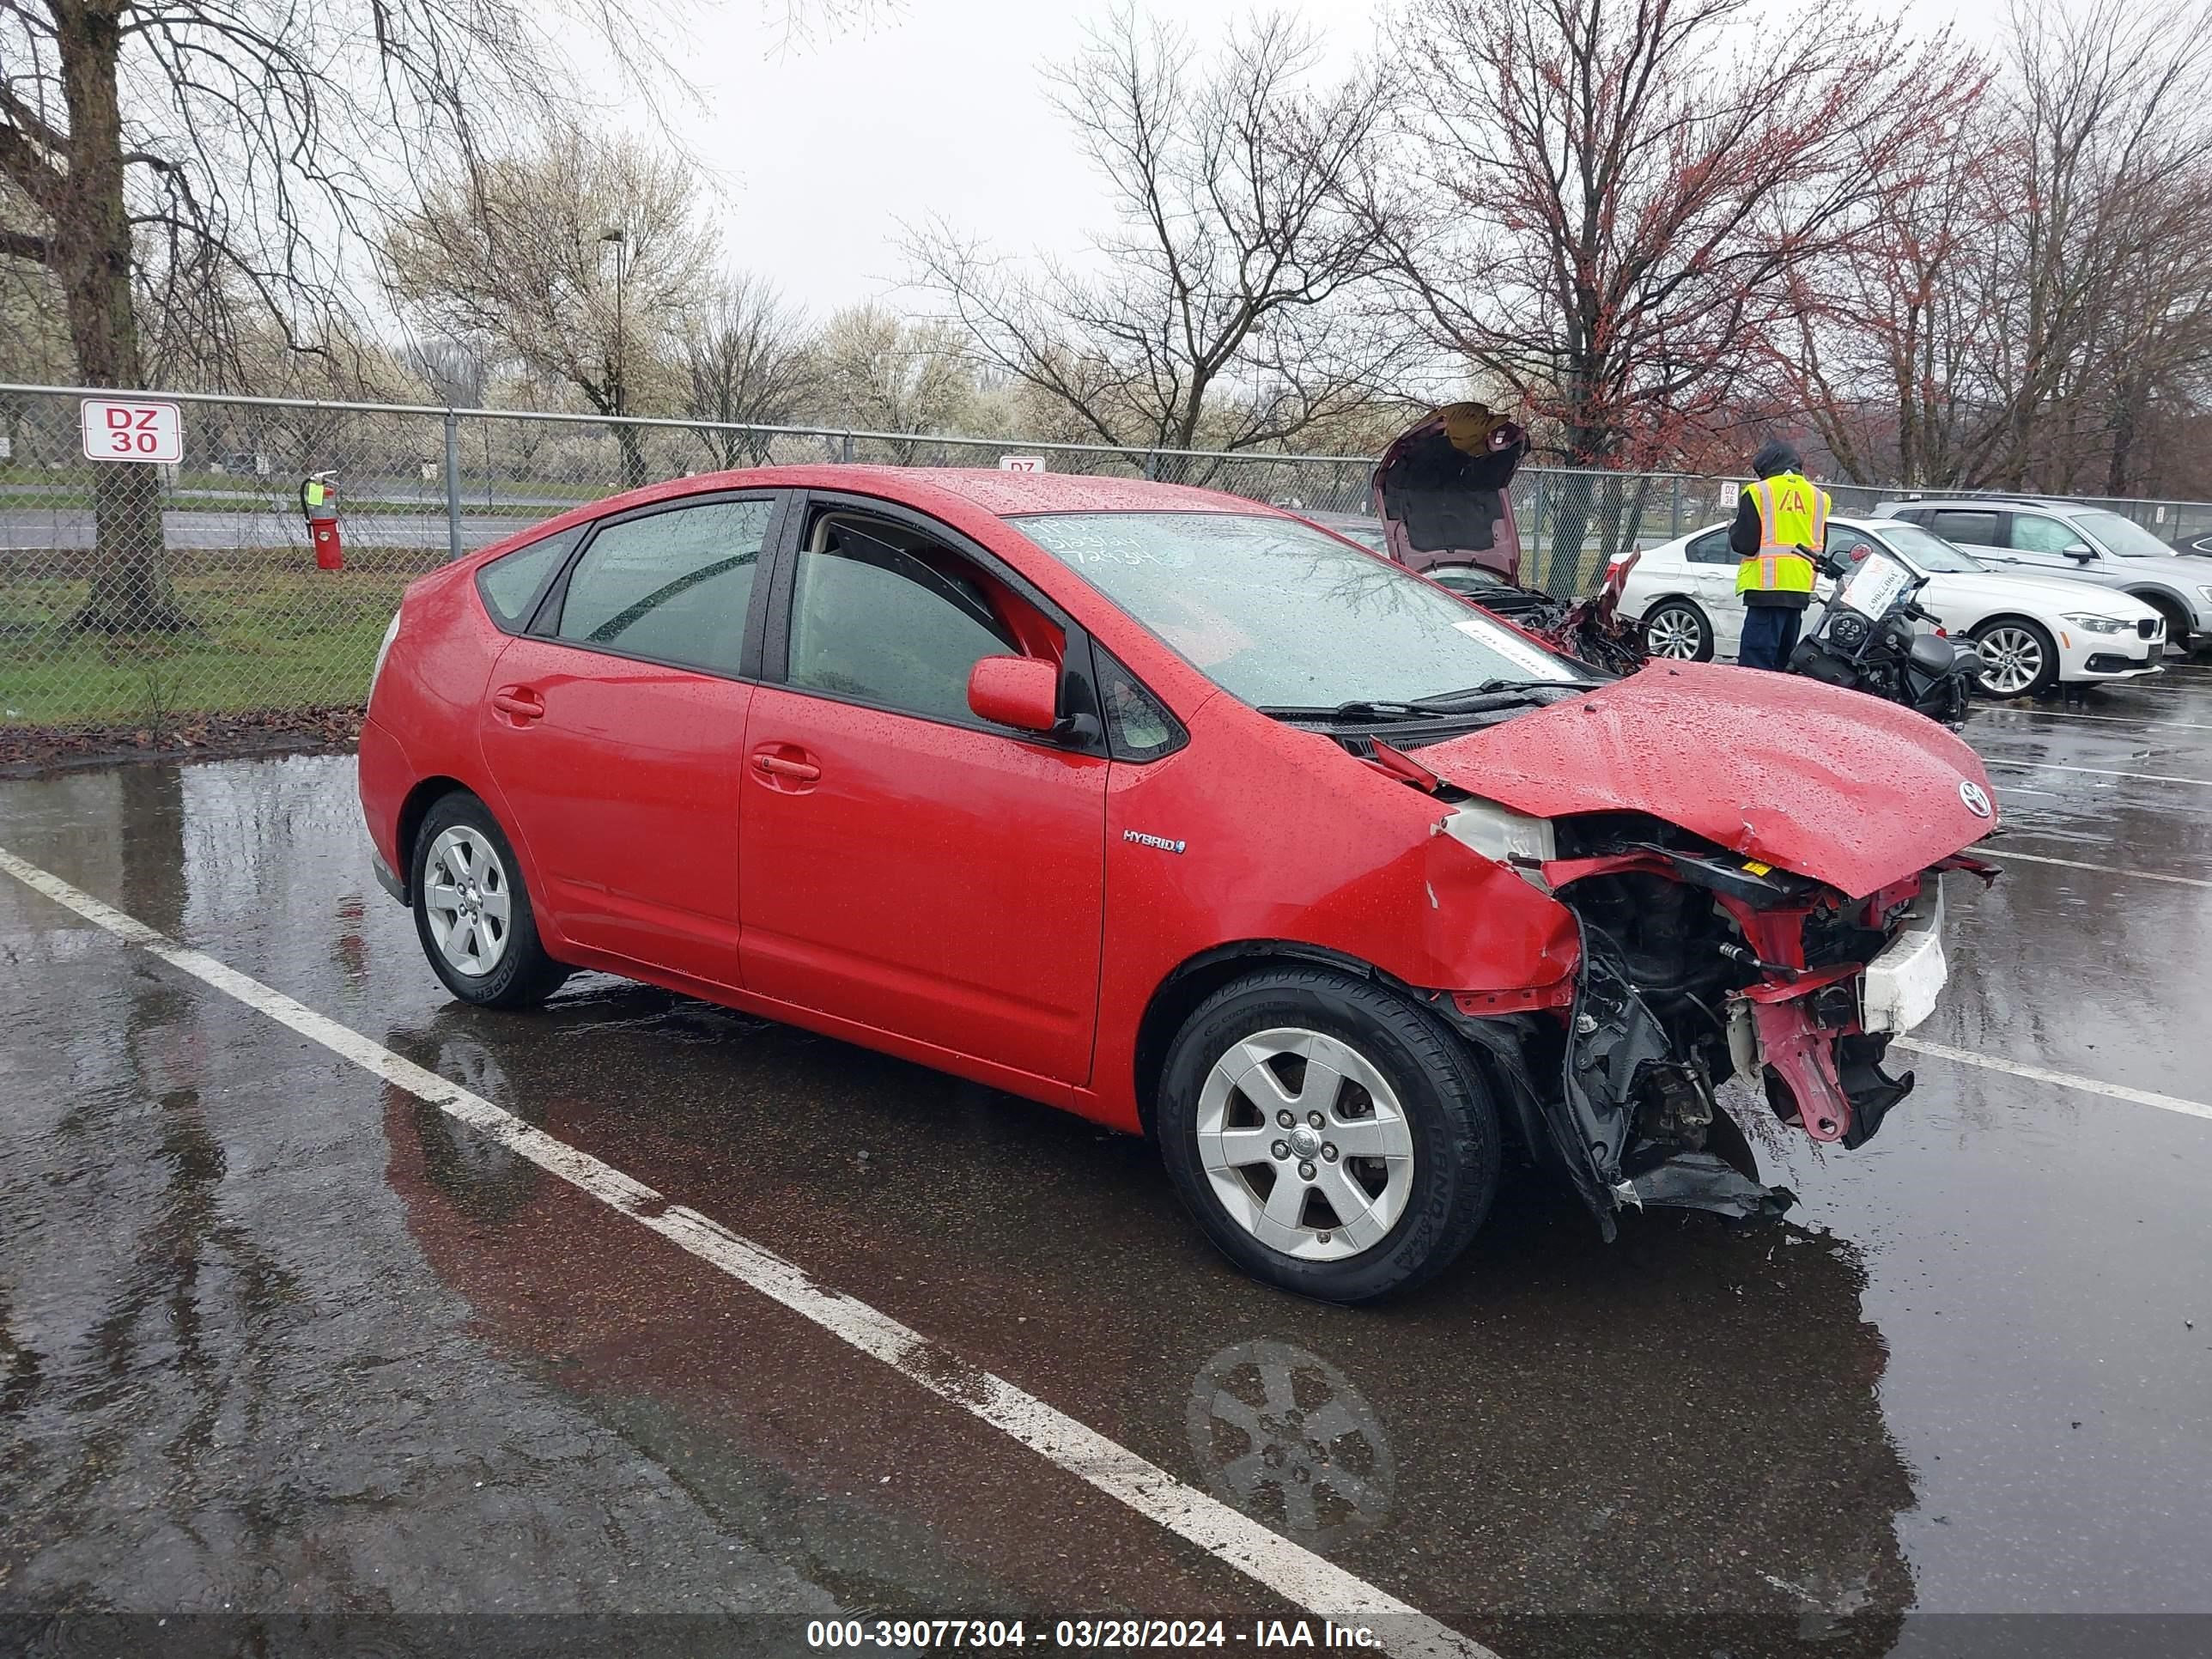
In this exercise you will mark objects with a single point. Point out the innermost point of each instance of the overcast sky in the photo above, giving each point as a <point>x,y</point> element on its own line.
<point>820,149</point>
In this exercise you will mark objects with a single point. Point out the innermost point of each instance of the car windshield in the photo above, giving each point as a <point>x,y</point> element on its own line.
<point>1282,616</point>
<point>2122,536</point>
<point>1926,550</point>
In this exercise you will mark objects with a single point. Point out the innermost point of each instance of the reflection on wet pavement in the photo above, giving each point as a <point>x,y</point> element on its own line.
<point>275,1337</point>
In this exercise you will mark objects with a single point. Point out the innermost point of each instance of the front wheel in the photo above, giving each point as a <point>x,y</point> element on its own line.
<point>472,911</point>
<point>2019,658</point>
<point>1331,1136</point>
<point>1679,630</point>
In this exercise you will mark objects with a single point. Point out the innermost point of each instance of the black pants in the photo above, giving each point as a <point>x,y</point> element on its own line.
<point>1769,635</point>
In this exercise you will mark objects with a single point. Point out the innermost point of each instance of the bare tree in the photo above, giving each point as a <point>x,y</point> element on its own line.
<point>2017,315</point>
<point>2113,152</point>
<point>1217,306</point>
<point>876,372</point>
<point>1606,196</point>
<point>578,260</point>
<point>747,361</point>
<point>200,154</point>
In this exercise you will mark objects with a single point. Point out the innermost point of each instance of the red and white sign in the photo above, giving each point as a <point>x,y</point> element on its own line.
<point>1021,463</point>
<point>117,430</point>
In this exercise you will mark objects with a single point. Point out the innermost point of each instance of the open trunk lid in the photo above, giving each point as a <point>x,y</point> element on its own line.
<point>1440,490</point>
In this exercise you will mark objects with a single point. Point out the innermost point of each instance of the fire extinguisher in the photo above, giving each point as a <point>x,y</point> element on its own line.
<point>319,501</point>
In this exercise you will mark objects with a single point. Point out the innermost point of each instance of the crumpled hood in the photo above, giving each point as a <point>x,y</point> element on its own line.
<point>1832,784</point>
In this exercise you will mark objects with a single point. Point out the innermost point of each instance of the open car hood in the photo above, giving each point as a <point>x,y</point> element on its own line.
<point>1442,504</point>
<point>1835,784</point>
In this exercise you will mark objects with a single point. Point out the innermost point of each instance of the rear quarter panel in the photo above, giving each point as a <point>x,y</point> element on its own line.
<point>423,713</point>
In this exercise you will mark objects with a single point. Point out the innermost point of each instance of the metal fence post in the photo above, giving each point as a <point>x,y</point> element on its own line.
<point>453,485</point>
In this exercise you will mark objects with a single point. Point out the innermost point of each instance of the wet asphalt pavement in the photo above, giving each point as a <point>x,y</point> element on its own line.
<point>298,1362</point>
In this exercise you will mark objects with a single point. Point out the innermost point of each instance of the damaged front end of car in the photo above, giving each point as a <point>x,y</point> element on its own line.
<point>1698,965</point>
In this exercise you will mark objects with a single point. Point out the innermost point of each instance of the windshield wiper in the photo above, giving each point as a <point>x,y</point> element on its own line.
<point>1448,702</point>
<point>1363,709</point>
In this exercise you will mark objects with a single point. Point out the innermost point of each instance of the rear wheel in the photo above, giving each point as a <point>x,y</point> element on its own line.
<point>472,911</point>
<point>2019,657</point>
<point>1679,630</point>
<point>1331,1136</point>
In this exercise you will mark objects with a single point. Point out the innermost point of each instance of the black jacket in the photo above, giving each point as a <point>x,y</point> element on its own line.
<point>1743,542</point>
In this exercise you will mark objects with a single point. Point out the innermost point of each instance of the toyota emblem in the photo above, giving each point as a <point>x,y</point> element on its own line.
<point>1977,799</point>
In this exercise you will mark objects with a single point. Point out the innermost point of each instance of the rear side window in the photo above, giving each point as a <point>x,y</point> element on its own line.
<point>511,583</point>
<point>1712,548</point>
<point>1968,529</point>
<point>674,587</point>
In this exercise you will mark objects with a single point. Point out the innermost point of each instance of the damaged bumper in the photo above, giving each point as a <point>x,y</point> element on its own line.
<point>1695,970</point>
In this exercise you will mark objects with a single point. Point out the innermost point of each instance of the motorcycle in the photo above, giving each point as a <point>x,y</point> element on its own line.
<point>1866,641</point>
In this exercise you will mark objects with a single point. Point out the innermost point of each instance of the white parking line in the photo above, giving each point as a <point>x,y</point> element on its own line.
<point>2007,856</point>
<point>2102,771</point>
<point>1295,1573</point>
<point>2064,1079</point>
<point>2117,720</point>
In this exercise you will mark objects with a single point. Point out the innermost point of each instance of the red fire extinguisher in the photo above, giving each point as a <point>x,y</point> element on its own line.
<point>319,501</point>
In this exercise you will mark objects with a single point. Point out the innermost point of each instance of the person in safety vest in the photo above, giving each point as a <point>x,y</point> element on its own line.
<point>1775,517</point>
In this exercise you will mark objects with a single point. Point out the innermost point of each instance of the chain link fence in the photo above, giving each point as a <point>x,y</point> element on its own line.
<point>160,597</point>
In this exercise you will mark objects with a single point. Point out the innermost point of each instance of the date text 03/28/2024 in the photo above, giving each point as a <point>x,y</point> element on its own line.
<point>985,1635</point>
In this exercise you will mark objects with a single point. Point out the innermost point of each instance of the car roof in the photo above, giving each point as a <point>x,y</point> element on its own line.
<point>2047,503</point>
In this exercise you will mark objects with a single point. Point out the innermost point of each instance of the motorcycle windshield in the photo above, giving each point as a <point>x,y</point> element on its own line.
<point>1876,583</point>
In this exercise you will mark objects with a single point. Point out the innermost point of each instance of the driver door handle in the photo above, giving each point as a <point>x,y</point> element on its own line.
<point>782,766</point>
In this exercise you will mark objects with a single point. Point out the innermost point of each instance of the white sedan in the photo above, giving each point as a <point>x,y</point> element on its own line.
<point>2033,632</point>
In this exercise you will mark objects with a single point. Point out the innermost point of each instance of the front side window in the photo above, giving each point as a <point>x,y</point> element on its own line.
<point>511,583</point>
<point>877,617</point>
<point>2032,533</point>
<point>674,587</point>
<point>1283,616</point>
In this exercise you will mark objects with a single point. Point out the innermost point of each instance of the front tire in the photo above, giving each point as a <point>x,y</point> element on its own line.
<point>472,910</point>
<point>1331,1136</point>
<point>1679,630</point>
<point>2019,658</point>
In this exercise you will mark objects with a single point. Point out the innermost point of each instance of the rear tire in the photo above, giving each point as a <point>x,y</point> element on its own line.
<point>1331,1136</point>
<point>1679,630</point>
<point>2019,657</point>
<point>472,909</point>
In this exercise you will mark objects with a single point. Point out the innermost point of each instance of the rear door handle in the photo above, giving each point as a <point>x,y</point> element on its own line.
<point>519,700</point>
<point>781,766</point>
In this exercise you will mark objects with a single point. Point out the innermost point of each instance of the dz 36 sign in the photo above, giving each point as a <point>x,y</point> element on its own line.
<point>116,430</point>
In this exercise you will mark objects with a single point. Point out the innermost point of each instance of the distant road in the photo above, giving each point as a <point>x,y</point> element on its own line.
<point>35,529</point>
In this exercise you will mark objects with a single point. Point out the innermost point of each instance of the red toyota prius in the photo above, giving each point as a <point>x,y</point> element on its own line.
<point>1176,811</point>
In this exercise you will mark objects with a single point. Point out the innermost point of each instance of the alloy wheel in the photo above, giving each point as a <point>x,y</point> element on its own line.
<point>1305,1144</point>
<point>1674,632</point>
<point>467,900</point>
<point>2012,661</point>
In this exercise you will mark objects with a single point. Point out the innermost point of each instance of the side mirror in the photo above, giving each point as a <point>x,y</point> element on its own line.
<point>1022,692</point>
<point>2080,551</point>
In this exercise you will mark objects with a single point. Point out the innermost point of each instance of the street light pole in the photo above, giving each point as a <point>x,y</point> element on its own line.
<point>622,257</point>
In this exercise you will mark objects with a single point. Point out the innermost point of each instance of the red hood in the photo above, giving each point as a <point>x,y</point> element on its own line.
<point>1832,784</point>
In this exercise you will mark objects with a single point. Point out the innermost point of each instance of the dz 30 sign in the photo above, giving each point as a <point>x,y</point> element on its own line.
<point>117,430</point>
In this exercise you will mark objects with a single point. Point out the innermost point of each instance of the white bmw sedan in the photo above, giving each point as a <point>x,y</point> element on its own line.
<point>2033,632</point>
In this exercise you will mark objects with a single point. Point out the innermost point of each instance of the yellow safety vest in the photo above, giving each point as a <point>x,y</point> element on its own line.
<point>1793,512</point>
